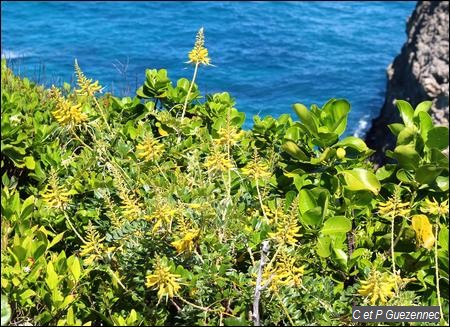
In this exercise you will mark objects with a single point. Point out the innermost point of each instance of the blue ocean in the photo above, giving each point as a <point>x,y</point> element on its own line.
<point>267,55</point>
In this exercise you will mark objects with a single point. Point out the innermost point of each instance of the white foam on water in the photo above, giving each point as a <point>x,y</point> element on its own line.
<point>363,124</point>
<point>10,54</point>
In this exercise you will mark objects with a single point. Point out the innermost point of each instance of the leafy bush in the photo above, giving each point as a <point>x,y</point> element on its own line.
<point>160,209</point>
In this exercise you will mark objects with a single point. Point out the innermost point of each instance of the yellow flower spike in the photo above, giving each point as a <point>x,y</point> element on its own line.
<point>381,286</point>
<point>394,207</point>
<point>199,54</point>
<point>435,208</point>
<point>187,242</point>
<point>163,280</point>
<point>86,86</point>
<point>55,196</point>
<point>257,170</point>
<point>150,149</point>
<point>217,162</point>
<point>94,249</point>
<point>65,112</point>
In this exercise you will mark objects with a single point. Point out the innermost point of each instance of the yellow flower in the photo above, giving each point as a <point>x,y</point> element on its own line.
<point>379,287</point>
<point>217,162</point>
<point>65,112</point>
<point>435,208</point>
<point>162,279</point>
<point>94,249</point>
<point>286,232</point>
<point>163,213</point>
<point>257,170</point>
<point>186,244</point>
<point>284,273</point>
<point>199,54</point>
<point>131,208</point>
<point>150,149</point>
<point>394,207</point>
<point>55,196</point>
<point>87,87</point>
<point>229,135</point>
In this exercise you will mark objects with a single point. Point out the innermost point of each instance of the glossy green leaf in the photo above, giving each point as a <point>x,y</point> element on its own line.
<point>407,156</point>
<point>323,246</point>
<point>305,116</point>
<point>427,174</point>
<point>359,179</point>
<point>406,112</point>
<point>337,224</point>
<point>424,106</point>
<point>437,138</point>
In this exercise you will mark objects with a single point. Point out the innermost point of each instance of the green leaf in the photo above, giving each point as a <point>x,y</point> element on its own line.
<point>407,156</point>
<point>407,135</point>
<point>425,124</point>
<point>30,163</point>
<point>55,240</point>
<point>233,321</point>
<point>52,278</point>
<point>353,142</point>
<point>293,150</point>
<point>424,106</point>
<point>337,224</point>
<point>323,246</point>
<point>336,111</point>
<point>406,112</point>
<point>74,267</point>
<point>312,217</point>
<point>6,311</point>
<point>360,179</point>
<point>385,172</point>
<point>443,238</point>
<point>427,174</point>
<point>307,200</point>
<point>341,258</point>
<point>396,128</point>
<point>437,138</point>
<point>442,183</point>
<point>306,118</point>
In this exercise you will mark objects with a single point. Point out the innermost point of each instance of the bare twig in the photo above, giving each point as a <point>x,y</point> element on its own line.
<point>264,250</point>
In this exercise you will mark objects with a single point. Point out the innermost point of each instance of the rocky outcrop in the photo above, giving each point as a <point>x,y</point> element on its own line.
<point>418,73</point>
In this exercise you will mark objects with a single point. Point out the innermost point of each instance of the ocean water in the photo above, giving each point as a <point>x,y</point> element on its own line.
<point>268,55</point>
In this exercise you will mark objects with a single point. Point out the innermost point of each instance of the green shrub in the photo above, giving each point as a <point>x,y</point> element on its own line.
<point>160,209</point>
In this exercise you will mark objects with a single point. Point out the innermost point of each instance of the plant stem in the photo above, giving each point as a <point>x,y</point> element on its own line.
<point>264,250</point>
<point>73,228</point>
<point>189,91</point>
<point>438,289</point>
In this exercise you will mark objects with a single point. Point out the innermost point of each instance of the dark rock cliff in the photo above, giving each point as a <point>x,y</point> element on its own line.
<point>418,73</point>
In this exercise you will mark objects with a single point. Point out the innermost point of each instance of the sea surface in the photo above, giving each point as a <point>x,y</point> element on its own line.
<point>267,55</point>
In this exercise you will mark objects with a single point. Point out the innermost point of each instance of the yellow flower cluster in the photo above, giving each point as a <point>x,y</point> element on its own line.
<point>217,162</point>
<point>94,249</point>
<point>131,208</point>
<point>66,113</point>
<point>284,273</point>
<point>199,54</point>
<point>229,136</point>
<point>55,196</point>
<point>163,213</point>
<point>162,279</point>
<point>287,230</point>
<point>257,170</point>
<point>86,86</point>
<point>187,242</point>
<point>394,207</point>
<point>150,149</point>
<point>435,208</point>
<point>380,286</point>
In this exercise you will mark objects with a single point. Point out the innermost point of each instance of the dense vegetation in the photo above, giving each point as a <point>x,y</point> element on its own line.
<point>160,209</point>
